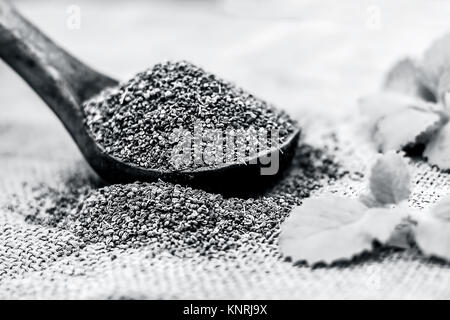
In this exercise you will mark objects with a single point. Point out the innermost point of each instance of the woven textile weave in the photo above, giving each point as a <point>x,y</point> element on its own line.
<point>322,57</point>
<point>42,262</point>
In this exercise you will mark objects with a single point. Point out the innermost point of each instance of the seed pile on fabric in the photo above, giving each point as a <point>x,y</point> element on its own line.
<point>176,218</point>
<point>51,205</point>
<point>134,121</point>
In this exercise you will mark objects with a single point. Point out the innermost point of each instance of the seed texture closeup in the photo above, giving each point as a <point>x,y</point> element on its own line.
<point>139,122</point>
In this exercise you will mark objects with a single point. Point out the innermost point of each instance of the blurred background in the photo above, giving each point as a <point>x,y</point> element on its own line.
<point>304,56</point>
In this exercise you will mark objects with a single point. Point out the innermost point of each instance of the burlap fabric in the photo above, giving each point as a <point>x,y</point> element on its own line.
<point>42,262</point>
<point>322,56</point>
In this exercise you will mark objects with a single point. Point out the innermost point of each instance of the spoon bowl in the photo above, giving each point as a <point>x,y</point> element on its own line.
<point>64,83</point>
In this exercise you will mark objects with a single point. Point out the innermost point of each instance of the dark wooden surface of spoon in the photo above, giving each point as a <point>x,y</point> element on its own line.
<point>64,82</point>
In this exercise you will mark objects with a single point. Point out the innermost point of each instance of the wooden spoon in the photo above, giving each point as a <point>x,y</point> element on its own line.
<point>64,82</point>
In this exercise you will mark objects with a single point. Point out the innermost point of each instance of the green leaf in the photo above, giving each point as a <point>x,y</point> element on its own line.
<point>390,181</point>
<point>333,228</point>
<point>406,77</point>
<point>437,150</point>
<point>432,232</point>
<point>406,127</point>
<point>435,61</point>
<point>433,237</point>
<point>441,210</point>
<point>379,105</point>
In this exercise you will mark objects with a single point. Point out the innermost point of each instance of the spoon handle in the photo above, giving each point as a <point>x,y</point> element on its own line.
<point>60,79</point>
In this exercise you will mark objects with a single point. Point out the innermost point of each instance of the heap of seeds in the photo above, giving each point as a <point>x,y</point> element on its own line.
<point>134,122</point>
<point>181,219</point>
<point>173,218</point>
<point>50,205</point>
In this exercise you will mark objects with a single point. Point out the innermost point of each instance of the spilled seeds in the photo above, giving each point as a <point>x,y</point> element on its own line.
<point>182,220</point>
<point>142,121</point>
<point>51,205</point>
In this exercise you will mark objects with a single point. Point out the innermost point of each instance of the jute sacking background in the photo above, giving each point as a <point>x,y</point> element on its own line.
<point>317,66</point>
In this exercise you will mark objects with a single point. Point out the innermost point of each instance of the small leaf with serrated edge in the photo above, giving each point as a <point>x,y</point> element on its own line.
<point>435,61</point>
<point>437,150</point>
<point>379,105</point>
<point>432,232</point>
<point>406,127</point>
<point>333,228</point>
<point>405,77</point>
<point>442,210</point>
<point>402,236</point>
<point>390,181</point>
